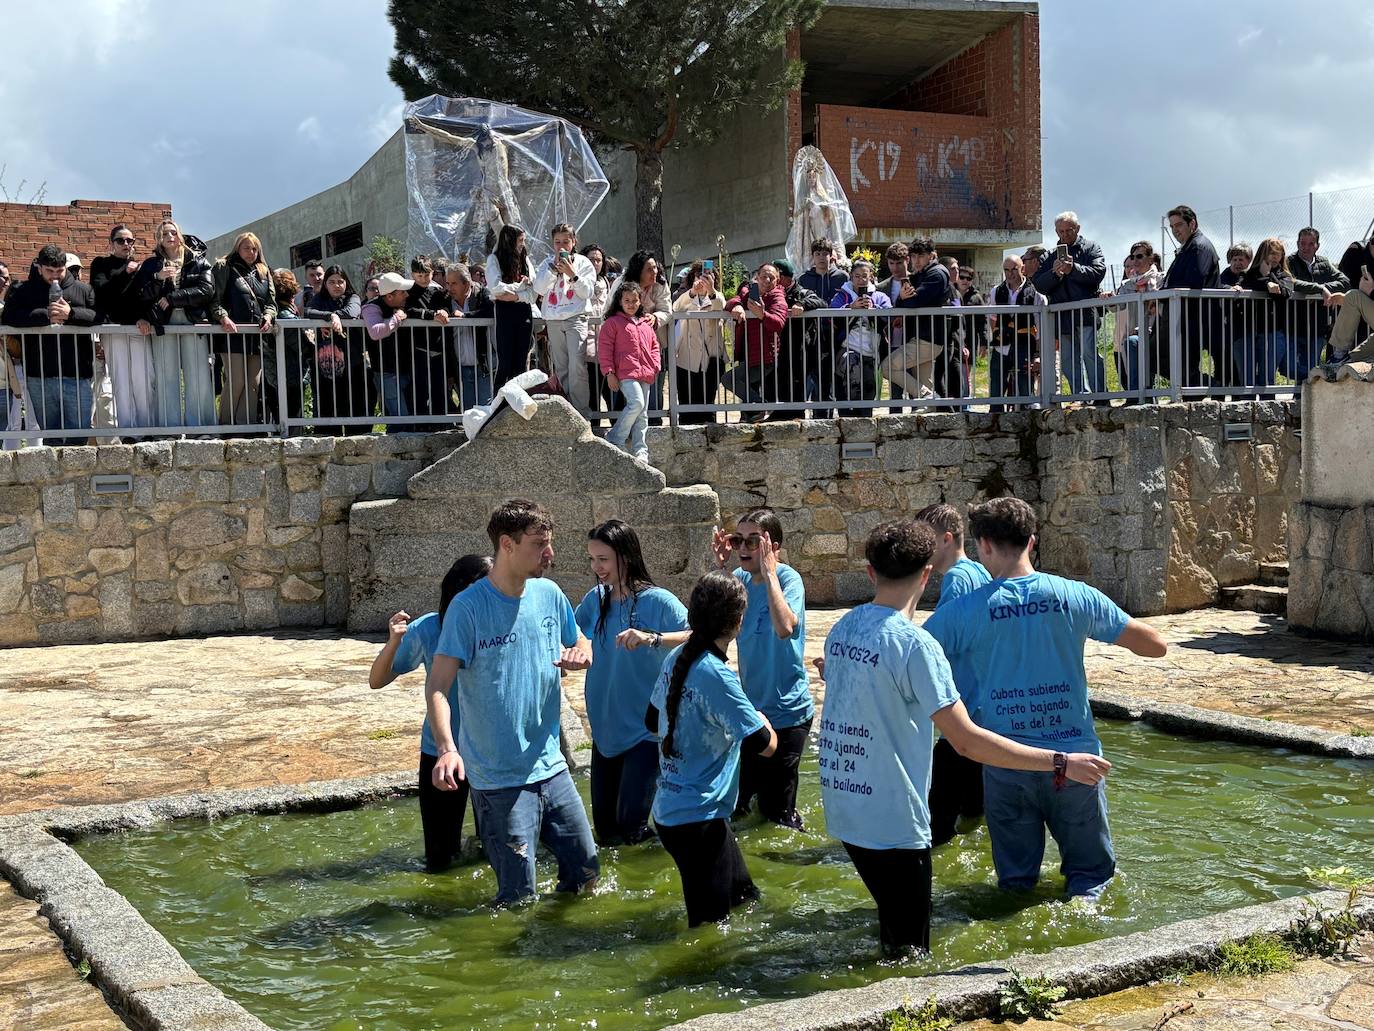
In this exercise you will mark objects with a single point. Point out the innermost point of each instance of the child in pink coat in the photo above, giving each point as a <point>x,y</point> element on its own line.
<point>627,351</point>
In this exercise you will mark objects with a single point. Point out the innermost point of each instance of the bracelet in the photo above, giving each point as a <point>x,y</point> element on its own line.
<point>657,641</point>
<point>445,752</point>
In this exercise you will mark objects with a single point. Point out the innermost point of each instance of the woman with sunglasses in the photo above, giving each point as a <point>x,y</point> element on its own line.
<point>631,624</point>
<point>771,663</point>
<point>129,354</point>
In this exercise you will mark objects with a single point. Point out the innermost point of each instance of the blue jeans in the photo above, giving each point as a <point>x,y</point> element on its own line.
<point>512,822</point>
<point>634,419</point>
<point>474,385</point>
<point>1258,359</point>
<point>394,389</point>
<point>1019,805</point>
<point>1083,366</point>
<point>62,403</point>
<point>1130,362</point>
<point>1298,356</point>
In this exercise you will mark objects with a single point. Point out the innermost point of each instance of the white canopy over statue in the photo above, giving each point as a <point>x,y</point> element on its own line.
<point>820,210</point>
<point>473,166</point>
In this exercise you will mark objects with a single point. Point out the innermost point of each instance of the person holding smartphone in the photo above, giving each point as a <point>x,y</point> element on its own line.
<point>1075,273</point>
<point>700,344</point>
<point>564,285</point>
<point>759,310</point>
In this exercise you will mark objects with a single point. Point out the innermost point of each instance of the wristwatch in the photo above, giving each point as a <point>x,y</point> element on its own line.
<point>1061,767</point>
<point>657,641</point>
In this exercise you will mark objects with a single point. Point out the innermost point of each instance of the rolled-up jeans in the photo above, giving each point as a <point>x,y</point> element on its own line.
<point>512,823</point>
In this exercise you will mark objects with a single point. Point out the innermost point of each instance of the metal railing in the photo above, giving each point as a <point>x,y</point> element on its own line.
<point>310,377</point>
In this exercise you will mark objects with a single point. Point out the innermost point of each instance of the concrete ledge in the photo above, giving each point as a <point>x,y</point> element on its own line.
<point>1224,726</point>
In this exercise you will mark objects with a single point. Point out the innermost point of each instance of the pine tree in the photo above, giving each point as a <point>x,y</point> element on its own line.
<point>629,73</point>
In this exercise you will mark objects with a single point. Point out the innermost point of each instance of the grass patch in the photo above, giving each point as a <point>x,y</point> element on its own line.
<point>29,774</point>
<point>1361,732</point>
<point>385,734</point>
<point>924,1018</point>
<point>1028,998</point>
<point>83,969</point>
<point>1251,957</point>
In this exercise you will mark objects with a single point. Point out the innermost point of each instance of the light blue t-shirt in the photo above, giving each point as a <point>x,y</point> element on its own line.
<point>701,781</point>
<point>416,649</point>
<point>1024,638</point>
<point>620,682</point>
<point>773,669</point>
<point>884,679</point>
<point>508,684</point>
<point>964,577</point>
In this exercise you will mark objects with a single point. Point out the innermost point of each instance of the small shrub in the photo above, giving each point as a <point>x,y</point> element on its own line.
<point>383,734</point>
<point>83,969</point>
<point>1261,954</point>
<point>1317,932</point>
<point>1360,732</point>
<point>926,1018</point>
<point>1028,998</point>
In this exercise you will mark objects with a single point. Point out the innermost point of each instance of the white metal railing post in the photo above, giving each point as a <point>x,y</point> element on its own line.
<point>1175,347</point>
<point>670,373</point>
<point>283,413</point>
<point>1049,372</point>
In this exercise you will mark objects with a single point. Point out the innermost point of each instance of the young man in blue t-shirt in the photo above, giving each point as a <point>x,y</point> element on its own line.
<point>505,640</point>
<point>1023,635</point>
<point>772,667</point>
<point>886,683</point>
<point>956,783</point>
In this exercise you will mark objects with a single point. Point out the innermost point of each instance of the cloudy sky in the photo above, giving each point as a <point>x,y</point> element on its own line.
<point>1145,105</point>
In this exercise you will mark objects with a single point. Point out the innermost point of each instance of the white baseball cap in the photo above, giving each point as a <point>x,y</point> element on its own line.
<point>391,281</point>
<point>74,262</point>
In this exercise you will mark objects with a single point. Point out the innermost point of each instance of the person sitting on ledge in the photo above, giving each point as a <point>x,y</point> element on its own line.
<point>1356,306</point>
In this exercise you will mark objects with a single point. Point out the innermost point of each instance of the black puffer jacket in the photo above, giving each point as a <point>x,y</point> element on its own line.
<point>191,292</point>
<point>60,354</point>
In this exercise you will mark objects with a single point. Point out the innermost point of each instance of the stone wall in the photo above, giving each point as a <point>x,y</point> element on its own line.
<point>1150,504</point>
<point>213,535</point>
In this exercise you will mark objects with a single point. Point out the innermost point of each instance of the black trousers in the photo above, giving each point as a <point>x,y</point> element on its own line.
<point>698,388</point>
<point>774,779</point>
<point>956,790</point>
<point>623,789</point>
<point>514,338</point>
<point>714,877</point>
<point>899,881</point>
<point>341,396</point>
<point>441,817</point>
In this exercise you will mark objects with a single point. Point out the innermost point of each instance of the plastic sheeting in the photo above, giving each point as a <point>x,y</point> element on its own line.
<point>820,208</point>
<point>475,165</point>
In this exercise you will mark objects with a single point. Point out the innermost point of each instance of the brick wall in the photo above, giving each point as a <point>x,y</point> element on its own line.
<point>958,149</point>
<point>82,227</point>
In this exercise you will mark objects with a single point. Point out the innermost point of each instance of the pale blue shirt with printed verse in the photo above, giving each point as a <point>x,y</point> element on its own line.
<point>964,577</point>
<point>884,679</point>
<point>1024,637</point>
<point>773,669</point>
<point>620,682</point>
<point>508,687</point>
<point>701,780</point>
<point>416,649</point>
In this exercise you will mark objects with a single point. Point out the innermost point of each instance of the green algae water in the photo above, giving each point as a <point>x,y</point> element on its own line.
<point>329,920</point>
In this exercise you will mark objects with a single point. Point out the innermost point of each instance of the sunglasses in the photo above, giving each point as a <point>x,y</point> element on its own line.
<point>965,278</point>
<point>1138,257</point>
<point>127,241</point>
<point>737,541</point>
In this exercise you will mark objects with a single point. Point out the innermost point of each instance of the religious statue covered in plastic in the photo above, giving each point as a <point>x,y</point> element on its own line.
<point>820,209</point>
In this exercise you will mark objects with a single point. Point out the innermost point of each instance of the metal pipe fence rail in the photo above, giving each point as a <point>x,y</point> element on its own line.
<point>335,378</point>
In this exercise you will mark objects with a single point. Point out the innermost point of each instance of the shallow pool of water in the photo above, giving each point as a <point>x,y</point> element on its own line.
<point>329,920</point>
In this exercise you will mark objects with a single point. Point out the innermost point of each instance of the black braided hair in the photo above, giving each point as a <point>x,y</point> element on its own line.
<point>715,610</point>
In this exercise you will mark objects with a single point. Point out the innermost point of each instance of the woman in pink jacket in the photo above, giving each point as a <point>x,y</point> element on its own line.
<point>627,351</point>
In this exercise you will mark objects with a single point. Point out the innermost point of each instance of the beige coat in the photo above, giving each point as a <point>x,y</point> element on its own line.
<point>699,341</point>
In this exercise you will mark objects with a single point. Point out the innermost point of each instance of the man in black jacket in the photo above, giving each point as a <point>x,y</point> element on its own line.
<point>1013,354</point>
<point>1074,272</point>
<point>470,354</point>
<point>429,383</point>
<point>1197,267</point>
<point>800,360</point>
<point>57,366</point>
<point>924,336</point>
<point>1308,323</point>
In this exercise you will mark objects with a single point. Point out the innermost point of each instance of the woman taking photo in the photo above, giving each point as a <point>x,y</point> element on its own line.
<point>705,720</point>
<point>600,392</point>
<point>338,370</point>
<point>700,345</point>
<point>178,287</point>
<point>510,274</point>
<point>630,623</point>
<point>243,294</point>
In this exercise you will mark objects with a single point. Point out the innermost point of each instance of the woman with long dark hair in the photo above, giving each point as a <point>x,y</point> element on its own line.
<point>410,644</point>
<point>631,623</point>
<point>339,369</point>
<point>510,275</point>
<point>705,721</point>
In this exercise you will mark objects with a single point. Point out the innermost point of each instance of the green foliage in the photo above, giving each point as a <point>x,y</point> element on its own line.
<point>1028,998</point>
<point>1360,732</point>
<point>1317,932</point>
<point>1342,878</point>
<point>925,1018</point>
<point>733,274</point>
<point>1260,954</point>
<point>385,255</point>
<point>383,735</point>
<point>83,969</point>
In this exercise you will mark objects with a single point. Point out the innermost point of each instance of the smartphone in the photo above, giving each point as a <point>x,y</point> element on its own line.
<point>754,294</point>
<point>709,263</point>
<point>1063,251</point>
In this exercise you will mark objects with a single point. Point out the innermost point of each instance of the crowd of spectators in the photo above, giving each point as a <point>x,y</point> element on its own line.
<point>187,342</point>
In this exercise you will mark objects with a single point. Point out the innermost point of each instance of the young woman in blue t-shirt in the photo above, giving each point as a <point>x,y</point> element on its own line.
<point>631,624</point>
<point>704,719</point>
<point>410,644</point>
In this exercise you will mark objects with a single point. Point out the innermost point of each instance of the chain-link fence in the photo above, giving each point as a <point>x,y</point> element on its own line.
<point>1339,215</point>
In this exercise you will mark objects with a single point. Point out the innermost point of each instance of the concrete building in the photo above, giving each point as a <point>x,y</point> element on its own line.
<point>928,110</point>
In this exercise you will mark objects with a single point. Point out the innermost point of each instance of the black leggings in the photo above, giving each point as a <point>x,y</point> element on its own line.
<point>441,816</point>
<point>956,790</point>
<point>899,881</point>
<point>514,338</point>
<point>774,778</point>
<point>623,794</point>
<point>714,877</point>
